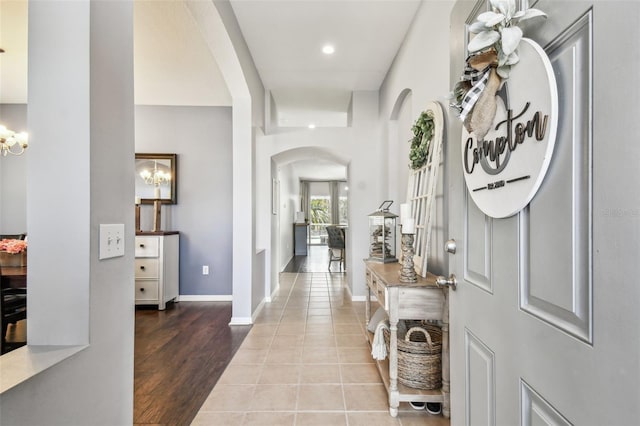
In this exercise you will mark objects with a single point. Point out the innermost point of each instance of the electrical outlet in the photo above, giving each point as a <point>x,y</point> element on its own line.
<point>111,240</point>
<point>205,269</point>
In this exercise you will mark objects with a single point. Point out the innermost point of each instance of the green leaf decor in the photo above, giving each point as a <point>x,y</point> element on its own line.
<point>422,136</point>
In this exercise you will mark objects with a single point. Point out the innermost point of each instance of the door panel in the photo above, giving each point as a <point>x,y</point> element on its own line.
<point>555,248</point>
<point>545,324</point>
<point>477,254</point>
<point>536,411</point>
<point>480,382</point>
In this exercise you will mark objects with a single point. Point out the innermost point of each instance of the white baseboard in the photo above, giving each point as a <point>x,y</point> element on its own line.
<point>273,294</point>
<point>257,311</point>
<point>240,321</point>
<point>359,298</point>
<point>349,291</point>
<point>205,298</point>
<point>352,297</point>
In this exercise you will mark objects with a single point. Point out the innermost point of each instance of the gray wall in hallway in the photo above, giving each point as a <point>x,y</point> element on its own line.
<point>202,138</point>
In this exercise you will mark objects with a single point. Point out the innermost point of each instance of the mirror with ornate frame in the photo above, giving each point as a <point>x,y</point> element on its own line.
<point>156,178</point>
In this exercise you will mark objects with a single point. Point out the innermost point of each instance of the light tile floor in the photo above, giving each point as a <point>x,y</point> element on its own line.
<point>306,362</point>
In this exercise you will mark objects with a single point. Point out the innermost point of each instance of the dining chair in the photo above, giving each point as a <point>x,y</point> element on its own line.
<point>336,245</point>
<point>13,308</point>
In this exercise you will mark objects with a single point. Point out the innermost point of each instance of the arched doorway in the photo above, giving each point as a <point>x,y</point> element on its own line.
<point>289,168</point>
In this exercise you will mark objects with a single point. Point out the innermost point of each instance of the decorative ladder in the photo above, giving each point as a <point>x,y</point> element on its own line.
<point>421,191</point>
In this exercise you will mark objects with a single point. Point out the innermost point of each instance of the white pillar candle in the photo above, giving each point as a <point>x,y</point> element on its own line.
<point>404,212</point>
<point>138,200</point>
<point>409,226</point>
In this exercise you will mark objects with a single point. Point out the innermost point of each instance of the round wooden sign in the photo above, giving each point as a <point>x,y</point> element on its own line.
<point>505,169</point>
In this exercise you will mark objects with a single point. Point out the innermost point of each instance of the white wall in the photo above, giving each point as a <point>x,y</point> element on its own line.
<point>398,146</point>
<point>79,102</point>
<point>247,92</point>
<point>219,28</point>
<point>249,71</point>
<point>266,220</point>
<point>422,66</point>
<point>13,175</point>
<point>289,196</point>
<point>376,151</point>
<point>359,147</point>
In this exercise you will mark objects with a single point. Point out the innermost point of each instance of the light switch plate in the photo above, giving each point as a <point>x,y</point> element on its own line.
<point>111,240</point>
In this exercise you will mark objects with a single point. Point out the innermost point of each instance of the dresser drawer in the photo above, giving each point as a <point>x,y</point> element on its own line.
<point>381,295</point>
<point>147,247</point>
<point>417,303</point>
<point>372,282</point>
<point>146,290</point>
<point>378,289</point>
<point>147,268</point>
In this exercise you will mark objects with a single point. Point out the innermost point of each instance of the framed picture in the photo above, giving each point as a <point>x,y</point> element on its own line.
<point>156,178</point>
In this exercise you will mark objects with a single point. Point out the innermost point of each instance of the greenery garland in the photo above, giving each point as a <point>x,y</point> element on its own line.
<point>422,135</point>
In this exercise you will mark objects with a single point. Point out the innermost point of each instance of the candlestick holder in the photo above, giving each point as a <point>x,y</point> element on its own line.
<point>137,217</point>
<point>408,271</point>
<point>157,210</point>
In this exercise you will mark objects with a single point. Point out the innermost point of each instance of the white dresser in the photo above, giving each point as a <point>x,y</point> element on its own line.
<point>157,267</point>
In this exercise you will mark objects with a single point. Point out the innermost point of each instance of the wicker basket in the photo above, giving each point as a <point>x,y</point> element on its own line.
<point>419,357</point>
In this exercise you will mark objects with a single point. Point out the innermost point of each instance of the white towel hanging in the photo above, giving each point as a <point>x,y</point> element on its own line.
<point>378,347</point>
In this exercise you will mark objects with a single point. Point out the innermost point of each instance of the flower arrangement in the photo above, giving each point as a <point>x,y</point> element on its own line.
<point>422,135</point>
<point>493,51</point>
<point>13,246</point>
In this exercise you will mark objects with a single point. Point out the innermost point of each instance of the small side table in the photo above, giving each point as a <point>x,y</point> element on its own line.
<point>422,300</point>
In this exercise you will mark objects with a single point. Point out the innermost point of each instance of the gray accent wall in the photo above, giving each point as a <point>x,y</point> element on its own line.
<point>202,138</point>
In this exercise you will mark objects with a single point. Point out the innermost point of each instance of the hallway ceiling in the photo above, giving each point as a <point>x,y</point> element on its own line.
<point>173,65</point>
<point>286,37</point>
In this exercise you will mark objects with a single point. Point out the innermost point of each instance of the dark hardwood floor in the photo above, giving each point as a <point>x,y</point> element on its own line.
<point>180,354</point>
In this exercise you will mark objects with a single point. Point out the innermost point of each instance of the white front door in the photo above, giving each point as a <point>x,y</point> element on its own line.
<point>545,325</point>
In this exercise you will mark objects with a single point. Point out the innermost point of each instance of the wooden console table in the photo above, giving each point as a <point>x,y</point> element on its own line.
<point>422,300</point>
<point>14,276</point>
<point>14,271</point>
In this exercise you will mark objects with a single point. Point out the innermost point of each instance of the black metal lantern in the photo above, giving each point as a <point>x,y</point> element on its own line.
<point>382,234</point>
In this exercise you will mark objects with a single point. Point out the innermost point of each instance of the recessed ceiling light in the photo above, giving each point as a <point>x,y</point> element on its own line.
<point>312,126</point>
<point>328,49</point>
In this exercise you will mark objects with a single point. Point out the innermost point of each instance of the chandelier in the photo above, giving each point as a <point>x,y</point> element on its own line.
<point>157,177</point>
<point>11,142</point>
